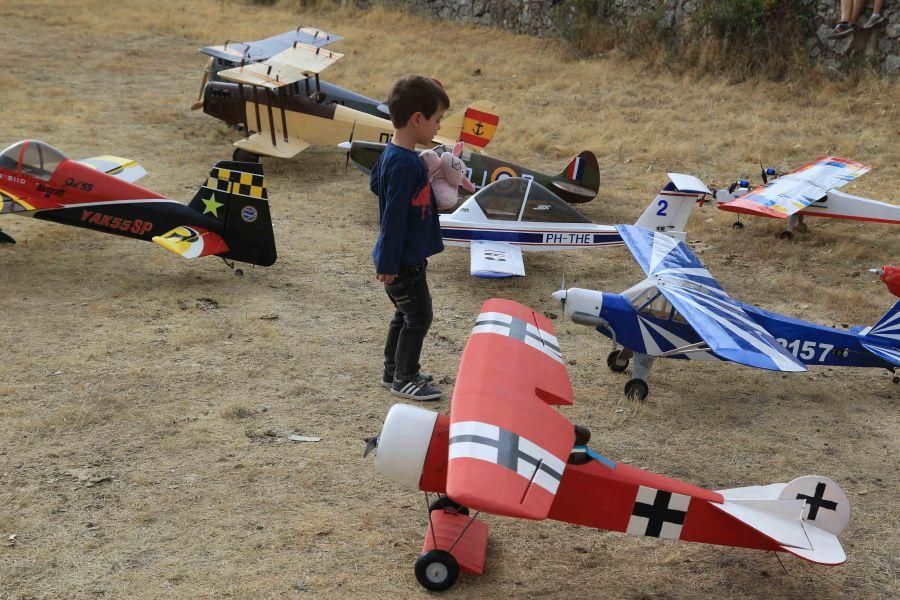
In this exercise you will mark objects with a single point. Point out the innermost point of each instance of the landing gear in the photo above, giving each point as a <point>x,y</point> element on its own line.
<point>637,389</point>
<point>801,226</point>
<point>445,503</point>
<point>794,222</point>
<point>238,272</point>
<point>617,361</point>
<point>437,570</point>
<point>241,155</point>
<point>737,226</point>
<point>5,238</point>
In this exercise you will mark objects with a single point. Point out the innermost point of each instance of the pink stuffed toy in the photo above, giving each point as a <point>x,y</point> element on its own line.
<point>446,173</point>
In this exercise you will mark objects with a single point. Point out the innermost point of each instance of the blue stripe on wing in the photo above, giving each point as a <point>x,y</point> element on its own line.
<point>729,332</point>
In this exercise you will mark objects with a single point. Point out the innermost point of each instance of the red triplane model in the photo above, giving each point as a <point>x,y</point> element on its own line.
<point>228,217</point>
<point>504,450</point>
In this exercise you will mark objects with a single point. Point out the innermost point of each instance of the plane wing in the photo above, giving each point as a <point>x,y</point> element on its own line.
<point>192,242</point>
<point>289,66</point>
<point>496,259</point>
<point>123,168</point>
<point>508,447</point>
<point>798,189</point>
<point>726,328</point>
<point>237,52</point>
<point>261,143</point>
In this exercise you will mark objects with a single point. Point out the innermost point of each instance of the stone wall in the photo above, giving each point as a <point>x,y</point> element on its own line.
<point>879,46</point>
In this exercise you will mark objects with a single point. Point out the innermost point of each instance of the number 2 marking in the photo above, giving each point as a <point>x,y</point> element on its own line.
<point>663,205</point>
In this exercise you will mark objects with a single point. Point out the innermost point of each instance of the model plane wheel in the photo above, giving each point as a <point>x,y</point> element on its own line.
<point>896,379</point>
<point>637,389</point>
<point>787,235</point>
<point>737,225</point>
<point>437,570</point>
<point>612,361</point>
<point>446,503</point>
<point>239,272</point>
<point>5,238</point>
<point>241,155</point>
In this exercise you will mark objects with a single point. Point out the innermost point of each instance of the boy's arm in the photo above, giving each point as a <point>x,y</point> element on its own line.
<point>398,193</point>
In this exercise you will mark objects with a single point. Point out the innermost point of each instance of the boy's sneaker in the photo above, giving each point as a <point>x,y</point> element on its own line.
<point>387,379</point>
<point>874,20</point>
<point>416,389</point>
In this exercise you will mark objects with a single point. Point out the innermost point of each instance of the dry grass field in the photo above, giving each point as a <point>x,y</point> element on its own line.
<point>146,401</point>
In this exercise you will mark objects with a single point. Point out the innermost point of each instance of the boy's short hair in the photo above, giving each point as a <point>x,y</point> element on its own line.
<point>414,94</point>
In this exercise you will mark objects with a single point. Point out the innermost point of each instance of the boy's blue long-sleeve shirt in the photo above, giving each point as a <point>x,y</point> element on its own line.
<point>410,227</point>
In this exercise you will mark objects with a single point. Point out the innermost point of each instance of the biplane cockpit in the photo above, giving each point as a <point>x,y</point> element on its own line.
<point>32,158</point>
<point>521,199</point>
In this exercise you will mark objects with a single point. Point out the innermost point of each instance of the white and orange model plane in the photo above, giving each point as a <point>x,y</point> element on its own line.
<point>505,450</point>
<point>810,191</point>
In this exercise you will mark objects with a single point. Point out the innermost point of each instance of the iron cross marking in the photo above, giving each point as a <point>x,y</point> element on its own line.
<point>817,501</point>
<point>658,513</point>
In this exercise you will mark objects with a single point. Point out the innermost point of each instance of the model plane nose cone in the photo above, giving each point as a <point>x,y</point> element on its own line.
<point>344,145</point>
<point>560,296</point>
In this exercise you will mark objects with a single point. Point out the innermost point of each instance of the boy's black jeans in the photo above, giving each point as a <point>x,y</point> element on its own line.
<point>412,318</point>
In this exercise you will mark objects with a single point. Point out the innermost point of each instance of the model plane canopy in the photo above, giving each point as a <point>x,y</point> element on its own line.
<point>246,52</point>
<point>717,318</point>
<point>508,447</point>
<point>798,189</point>
<point>289,66</point>
<point>521,199</point>
<point>32,158</point>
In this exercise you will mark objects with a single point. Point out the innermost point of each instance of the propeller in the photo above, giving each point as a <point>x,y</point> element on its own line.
<point>349,144</point>
<point>371,445</point>
<point>762,172</point>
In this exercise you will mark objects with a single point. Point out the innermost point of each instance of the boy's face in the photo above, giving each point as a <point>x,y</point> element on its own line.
<point>426,128</point>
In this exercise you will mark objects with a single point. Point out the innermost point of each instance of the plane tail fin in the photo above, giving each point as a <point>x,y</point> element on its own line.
<point>671,208</point>
<point>235,195</point>
<point>475,126</point>
<point>580,180</point>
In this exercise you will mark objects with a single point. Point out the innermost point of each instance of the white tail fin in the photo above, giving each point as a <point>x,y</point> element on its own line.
<point>804,516</point>
<point>670,210</point>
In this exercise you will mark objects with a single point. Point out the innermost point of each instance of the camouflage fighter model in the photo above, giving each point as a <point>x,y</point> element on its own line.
<point>228,217</point>
<point>577,183</point>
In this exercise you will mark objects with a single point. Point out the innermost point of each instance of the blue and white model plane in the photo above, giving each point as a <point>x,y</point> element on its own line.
<point>680,311</point>
<point>518,214</point>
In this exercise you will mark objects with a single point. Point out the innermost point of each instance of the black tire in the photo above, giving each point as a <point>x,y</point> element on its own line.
<point>241,155</point>
<point>737,225</point>
<point>896,379</point>
<point>786,235</point>
<point>637,389</point>
<point>613,364</point>
<point>437,570</point>
<point>445,503</point>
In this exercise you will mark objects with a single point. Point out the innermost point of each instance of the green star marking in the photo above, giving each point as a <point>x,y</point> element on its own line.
<point>212,206</point>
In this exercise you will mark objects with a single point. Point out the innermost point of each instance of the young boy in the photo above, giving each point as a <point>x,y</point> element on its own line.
<point>410,232</point>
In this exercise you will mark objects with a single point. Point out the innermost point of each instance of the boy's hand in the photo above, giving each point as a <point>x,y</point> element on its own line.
<point>386,279</point>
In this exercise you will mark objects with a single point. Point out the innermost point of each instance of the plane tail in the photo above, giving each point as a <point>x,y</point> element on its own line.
<point>475,126</point>
<point>580,180</point>
<point>883,338</point>
<point>235,195</point>
<point>803,517</point>
<point>670,210</point>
